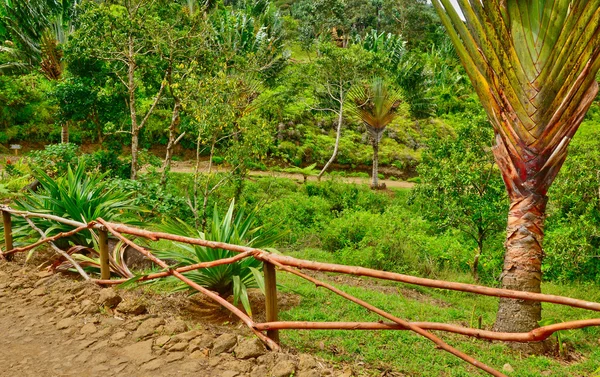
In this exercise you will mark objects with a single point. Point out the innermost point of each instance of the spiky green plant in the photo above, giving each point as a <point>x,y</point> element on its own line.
<point>533,65</point>
<point>76,195</point>
<point>376,105</point>
<point>231,279</point>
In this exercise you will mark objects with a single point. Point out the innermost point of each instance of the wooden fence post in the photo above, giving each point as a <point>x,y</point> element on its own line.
<point>271,298</point>
<point>8,239</point>
<point>104,266</point>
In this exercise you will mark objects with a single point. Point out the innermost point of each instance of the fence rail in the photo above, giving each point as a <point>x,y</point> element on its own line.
<point>272,262</point>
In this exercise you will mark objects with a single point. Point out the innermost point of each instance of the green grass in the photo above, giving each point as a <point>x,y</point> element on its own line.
<point>411,354</point>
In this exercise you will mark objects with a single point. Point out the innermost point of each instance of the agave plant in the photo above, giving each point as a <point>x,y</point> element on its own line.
<point>533,65</point>
<point>231,279</point>
<point>76,195</point>
<point>377,106</point>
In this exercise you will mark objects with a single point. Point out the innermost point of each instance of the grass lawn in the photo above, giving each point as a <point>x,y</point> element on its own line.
<point>405,352</point>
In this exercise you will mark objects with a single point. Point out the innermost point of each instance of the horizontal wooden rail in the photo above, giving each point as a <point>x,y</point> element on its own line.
<point>537,335</point>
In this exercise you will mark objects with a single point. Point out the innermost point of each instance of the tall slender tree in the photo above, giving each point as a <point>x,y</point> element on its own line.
<point>533,65</point>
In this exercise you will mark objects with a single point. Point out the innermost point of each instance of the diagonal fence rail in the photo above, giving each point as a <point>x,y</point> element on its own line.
<point>272,262</point>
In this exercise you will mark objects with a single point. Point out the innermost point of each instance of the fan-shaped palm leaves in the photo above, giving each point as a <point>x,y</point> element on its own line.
<point>533,65</point>
<point>376,104</point>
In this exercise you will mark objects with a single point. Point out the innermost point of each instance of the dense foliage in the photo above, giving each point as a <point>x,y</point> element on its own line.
<point>254,84</point>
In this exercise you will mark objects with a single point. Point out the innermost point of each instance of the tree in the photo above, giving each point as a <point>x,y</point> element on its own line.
<point>533,65</point>
<point>339,69</point>
<point>121,34</point>
<point>460,186</point>
<point>38,29</point>
<point>376,105</point>
<point>182,45</point>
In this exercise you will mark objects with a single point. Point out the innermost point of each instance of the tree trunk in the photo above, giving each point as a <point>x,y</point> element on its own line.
<point>135,136</point>
<point>338,136</point>
<point>173,139</point>
<point>64,134</point>
<point>478,253</point>
<point>523,265</point>
<point>375,183</point>
<point>135,131</point>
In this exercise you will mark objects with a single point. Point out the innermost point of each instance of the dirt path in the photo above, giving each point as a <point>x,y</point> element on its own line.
<point>189,166</point>
<point>55,326</point>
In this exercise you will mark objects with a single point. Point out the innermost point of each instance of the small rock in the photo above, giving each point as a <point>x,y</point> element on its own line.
<point>508,368</point>
<point>283,369</point>
<point>68,313</point>
<point>198,355</point>
<point>109,298</point>
<point>118,336</point>
<point>178,347</point>
<point>230,373</point>
<point>162,340</point>
<point>139,353</point>
<point>112,321</point>
<point>259,371</point>
<point>175,356</point>
<point>16,284</point>
<point>175,327</point>
<point>102,333</point>
<point>224,343</point>
<point>249,348</point>
<point>65,323</point>
<point>306,362</point>
<point>132,307</point>
<point>132,326</point>
<point>38,291</point>
<point>346,373</point>
<point>147,328</point>
<point>99,345</point>
<point>87,343</point>
<point>187,336</point>
<point>153,365</point>
<point>242,366</point>
<point>88,328</point>
<point>44,274</point>
<point>309,373</point>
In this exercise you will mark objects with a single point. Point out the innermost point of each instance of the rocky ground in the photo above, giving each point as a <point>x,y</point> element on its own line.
<point>52,325</point>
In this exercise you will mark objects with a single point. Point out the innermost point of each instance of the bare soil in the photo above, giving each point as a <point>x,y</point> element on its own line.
<point>53,325</point>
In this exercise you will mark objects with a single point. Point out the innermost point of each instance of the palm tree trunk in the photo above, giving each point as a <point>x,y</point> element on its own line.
<point>375,184</point>
<point>523,263</point>
<point>64,133</point>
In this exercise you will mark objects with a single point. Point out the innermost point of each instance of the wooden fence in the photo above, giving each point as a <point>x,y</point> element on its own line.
<point>268,332</point>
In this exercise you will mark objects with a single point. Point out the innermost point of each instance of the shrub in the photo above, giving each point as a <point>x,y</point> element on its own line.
<point>231,279</point>
<point>76,195</point>
<point>55,158</point>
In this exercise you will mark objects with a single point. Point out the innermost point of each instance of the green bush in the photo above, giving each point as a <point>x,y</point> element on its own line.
<point>55,158</point>
<point>396,240</point>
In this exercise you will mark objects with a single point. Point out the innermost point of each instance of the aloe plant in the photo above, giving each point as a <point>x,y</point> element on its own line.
<point>533,65</point>
<point>231,279</point>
